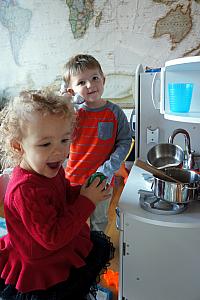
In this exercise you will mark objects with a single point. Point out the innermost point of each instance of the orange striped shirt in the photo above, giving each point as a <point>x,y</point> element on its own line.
<point>97,134</point>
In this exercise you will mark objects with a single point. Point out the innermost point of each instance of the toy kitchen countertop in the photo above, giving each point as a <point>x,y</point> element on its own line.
<point>158,253</point>
<point>140,180</point>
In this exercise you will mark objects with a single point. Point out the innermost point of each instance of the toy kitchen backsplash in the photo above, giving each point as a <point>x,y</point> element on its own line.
<point>155,123</point>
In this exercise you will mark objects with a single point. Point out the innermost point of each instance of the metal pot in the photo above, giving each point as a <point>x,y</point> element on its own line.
<point>185,192</point>
<point>165,155</point>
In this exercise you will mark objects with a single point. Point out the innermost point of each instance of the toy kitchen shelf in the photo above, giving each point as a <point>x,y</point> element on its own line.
<point>181,70</point>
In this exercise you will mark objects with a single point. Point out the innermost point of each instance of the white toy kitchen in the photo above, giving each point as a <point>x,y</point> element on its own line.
<point>160,244</point>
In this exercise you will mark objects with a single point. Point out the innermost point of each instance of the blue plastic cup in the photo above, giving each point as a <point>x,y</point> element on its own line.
<point>180,96</point>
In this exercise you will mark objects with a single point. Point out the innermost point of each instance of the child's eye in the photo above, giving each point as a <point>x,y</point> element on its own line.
<point>81,83</point>
<point>45,145</point>
<point>95,78</point>
<point>66,141</point>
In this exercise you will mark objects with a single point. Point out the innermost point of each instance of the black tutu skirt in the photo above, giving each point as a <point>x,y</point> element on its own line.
<point>81,282</point>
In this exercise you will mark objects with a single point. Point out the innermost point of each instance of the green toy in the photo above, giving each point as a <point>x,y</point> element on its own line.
<point>93,176</point>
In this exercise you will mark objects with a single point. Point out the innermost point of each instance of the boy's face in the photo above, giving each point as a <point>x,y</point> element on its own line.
<point>90,85</point>
<point>45,144</point>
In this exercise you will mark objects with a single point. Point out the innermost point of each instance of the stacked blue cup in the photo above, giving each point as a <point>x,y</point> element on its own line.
<point>180,96</point>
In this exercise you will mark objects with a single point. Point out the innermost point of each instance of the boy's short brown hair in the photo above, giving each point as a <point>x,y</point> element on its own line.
<point>78,64</point>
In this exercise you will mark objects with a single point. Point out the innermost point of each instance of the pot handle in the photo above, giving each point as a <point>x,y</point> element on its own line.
<point>152,184</point>
<point>189,188</point>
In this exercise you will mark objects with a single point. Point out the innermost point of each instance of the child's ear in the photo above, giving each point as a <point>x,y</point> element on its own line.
<point>16,146</point>
<point>71,92</point>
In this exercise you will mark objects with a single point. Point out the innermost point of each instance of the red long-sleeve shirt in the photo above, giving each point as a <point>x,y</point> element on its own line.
<point>47,230</point>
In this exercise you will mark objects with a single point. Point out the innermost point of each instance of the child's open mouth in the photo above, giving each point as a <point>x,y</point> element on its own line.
<point>93,92</point>
<point>54,165</point>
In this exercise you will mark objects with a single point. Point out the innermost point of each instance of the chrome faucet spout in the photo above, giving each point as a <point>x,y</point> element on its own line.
<point>189,159</point>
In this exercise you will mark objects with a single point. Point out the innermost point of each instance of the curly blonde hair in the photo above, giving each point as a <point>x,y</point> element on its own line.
<point>18,111</point>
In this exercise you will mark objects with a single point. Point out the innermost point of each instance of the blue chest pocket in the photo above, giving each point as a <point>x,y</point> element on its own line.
<point>105,130</point>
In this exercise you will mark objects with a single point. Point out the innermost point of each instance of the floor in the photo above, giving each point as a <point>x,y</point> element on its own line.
<point>110,231</point>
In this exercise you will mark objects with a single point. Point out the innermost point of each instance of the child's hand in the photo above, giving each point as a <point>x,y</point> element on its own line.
<point>95,192</point>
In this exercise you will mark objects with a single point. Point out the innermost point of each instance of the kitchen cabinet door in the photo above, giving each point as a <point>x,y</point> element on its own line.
<point>159,262</point>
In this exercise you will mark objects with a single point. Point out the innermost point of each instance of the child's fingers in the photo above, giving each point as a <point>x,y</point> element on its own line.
<point>85,184</point>
<point>95,182</point>
<point>102,186</point>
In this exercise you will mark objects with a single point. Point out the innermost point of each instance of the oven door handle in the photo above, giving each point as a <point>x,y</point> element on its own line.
<point>118,221</point>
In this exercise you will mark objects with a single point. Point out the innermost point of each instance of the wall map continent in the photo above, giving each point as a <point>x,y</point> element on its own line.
<point>38,36</point>
<point>177,23</point>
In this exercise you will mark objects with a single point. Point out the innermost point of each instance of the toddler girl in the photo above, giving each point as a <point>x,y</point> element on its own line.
<point>49,252</point>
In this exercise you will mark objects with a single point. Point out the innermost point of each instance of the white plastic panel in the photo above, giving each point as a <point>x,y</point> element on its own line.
<point>160,263</point>
<point>183,64</point>
<point>182,70</point>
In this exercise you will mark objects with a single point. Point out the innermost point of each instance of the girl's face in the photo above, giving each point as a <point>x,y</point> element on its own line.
<point>45,144</point>
<point>90,85</point>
